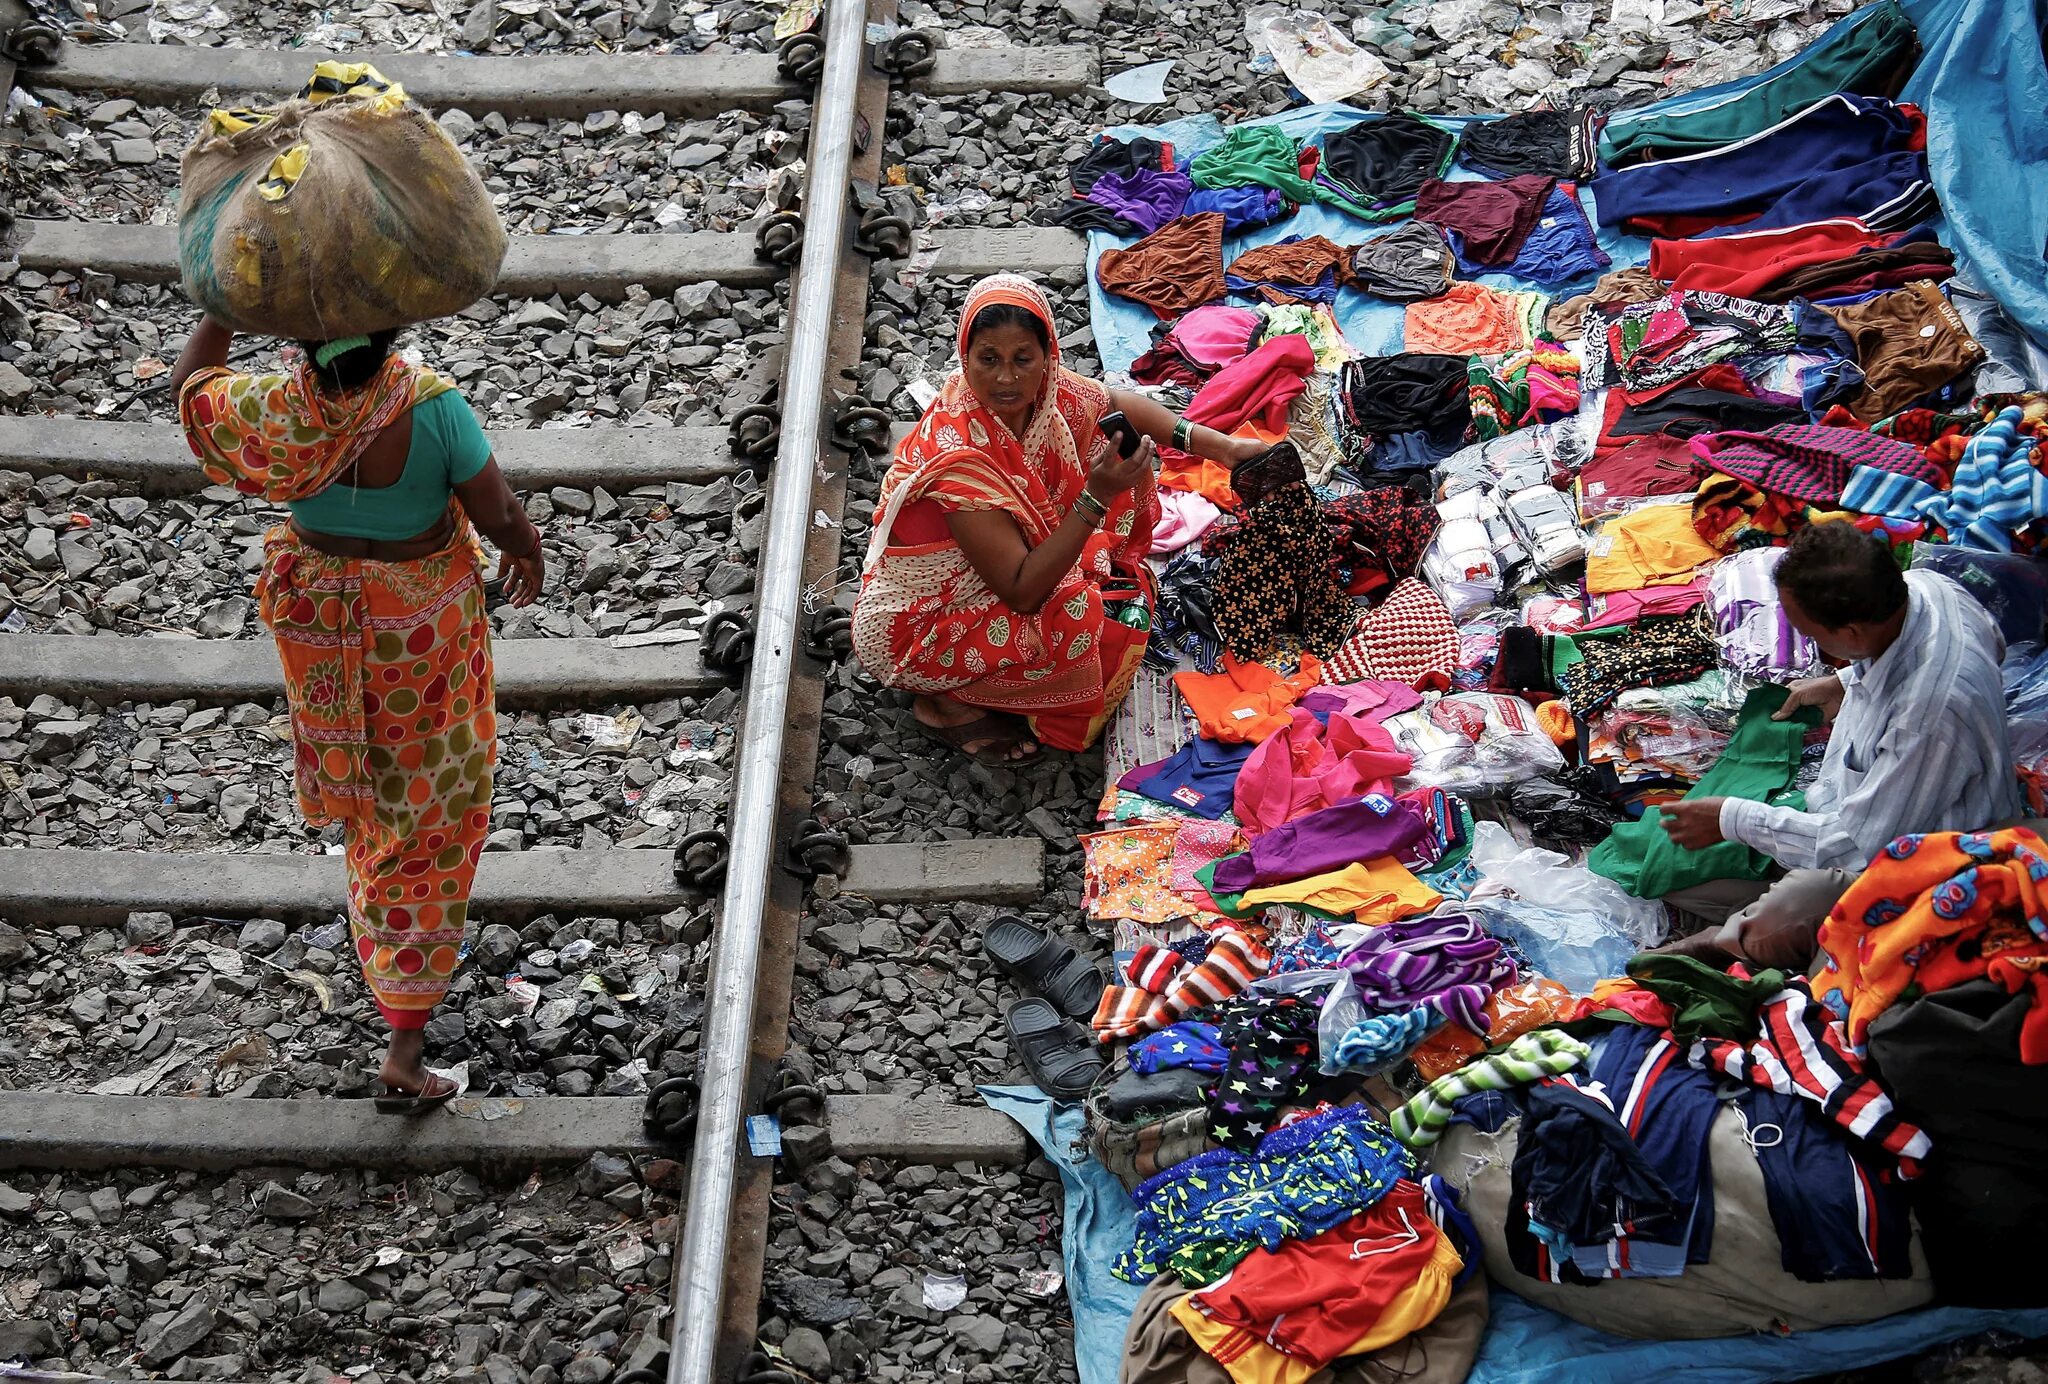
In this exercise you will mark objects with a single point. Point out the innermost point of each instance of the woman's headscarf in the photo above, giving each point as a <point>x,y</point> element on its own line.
<point>961,454</point>
<point>284,437</point>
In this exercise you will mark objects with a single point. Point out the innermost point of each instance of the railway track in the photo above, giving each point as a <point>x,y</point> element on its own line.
<point>725,903</point>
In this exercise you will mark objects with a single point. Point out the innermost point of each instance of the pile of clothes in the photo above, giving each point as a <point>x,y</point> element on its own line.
<point>1504,588</point>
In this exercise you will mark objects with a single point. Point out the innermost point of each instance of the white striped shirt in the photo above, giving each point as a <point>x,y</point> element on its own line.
<point>1919,744</point>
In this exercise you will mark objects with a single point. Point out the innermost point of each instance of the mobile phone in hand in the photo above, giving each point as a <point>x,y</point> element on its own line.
<point>1119,428</point>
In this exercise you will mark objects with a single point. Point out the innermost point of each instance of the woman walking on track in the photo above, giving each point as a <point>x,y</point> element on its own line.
<point>375,595</point>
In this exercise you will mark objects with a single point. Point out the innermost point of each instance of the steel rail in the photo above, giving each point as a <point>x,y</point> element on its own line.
<point>699,1282</point>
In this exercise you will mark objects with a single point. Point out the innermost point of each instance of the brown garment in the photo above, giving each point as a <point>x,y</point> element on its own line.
<point>1909,342</point>
<point>1177,267</point>
<point>1889,267</point>
<point>1565,320</point>
<point>1158,1351</point>
<point>1300,263</point>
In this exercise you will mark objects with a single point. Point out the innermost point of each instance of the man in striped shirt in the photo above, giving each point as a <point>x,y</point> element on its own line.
<point>1919,743</point>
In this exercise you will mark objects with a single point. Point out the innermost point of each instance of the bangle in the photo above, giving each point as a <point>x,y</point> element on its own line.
<point>1086,503</point>
<point>1183,434</point>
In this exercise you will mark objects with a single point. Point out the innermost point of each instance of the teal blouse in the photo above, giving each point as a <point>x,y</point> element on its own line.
<point>448,448</point>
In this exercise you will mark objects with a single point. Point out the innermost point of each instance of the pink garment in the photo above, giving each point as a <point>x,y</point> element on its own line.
<point>1309,765</point>
<point>1196,844</point>
<point>1373,700</point>
<point>1184,516</point>
<point>1260,388</point>
<point>1627,607</point>
<point>1216,336</point>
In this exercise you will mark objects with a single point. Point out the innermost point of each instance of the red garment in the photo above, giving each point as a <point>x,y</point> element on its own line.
<point>1315,1299</point>
<point>1258,391</point>
<point>1742,263</point>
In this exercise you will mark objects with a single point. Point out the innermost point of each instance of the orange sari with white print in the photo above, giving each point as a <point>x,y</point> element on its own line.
<point>927,623</point>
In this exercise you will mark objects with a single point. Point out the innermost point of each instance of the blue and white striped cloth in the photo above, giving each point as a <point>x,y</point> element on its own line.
<point>1996,493</point>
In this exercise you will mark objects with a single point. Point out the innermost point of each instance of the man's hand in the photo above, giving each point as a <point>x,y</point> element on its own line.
<point>1696,824</point>
<point>1825,693</point>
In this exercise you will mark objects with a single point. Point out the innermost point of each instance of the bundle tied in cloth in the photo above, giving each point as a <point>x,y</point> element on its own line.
<point>345,210</point>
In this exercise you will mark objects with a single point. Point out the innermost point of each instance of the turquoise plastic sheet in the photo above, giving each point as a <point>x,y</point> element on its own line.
<point>1528,1345</point>
<point>1983,83</point>
<point>1099,1225</point>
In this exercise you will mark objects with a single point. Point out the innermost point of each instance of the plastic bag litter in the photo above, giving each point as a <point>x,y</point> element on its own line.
<point>1507,744</point>
<point>1552,882</point>
<point>1557,810</point>
<point>1322,63</point>
<point>345,210</point>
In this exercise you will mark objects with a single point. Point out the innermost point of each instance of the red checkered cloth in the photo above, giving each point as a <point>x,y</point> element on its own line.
<point>1808,461</point>
<point>1408,638</point>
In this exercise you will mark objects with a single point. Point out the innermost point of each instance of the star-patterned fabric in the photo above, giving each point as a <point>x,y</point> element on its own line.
<point>1271,1063</point>
<point>1193,1045</point>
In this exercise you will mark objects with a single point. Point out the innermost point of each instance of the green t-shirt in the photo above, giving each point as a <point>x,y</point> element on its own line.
<point>448,448</point>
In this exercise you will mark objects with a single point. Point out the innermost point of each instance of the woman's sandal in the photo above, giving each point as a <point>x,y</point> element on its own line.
<point>997,733</point>
<point>1055,1051</point>
<point>1046,964</point>
<point>398,1102</point>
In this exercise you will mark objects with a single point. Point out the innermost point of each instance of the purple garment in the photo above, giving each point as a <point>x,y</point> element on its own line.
<point>1445,961</point>
<point>1327,839</point>
<point>1148,198</point>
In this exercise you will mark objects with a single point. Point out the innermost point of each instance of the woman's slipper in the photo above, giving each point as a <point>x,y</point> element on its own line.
<point>1045,964</point>
<point>438,1091</point>
<point>1057,1052</point>
<point>993,735</point>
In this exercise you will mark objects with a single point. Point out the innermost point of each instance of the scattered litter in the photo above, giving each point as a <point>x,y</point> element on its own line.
<point>653,638</point>
<point>627,1251</point>
<point>556,1013</point>
<point>797,17</point>
<point>1318,59</point>
<point>1043,1282</point>
<point>13,621</point>
<point>859,767</point>
<point>486,1108</point>
<point>577,950</point>
<point>1140,86</point>
<point>387,1255</point>
<point>821,520</point>
<point>764,1136</point>
<point>524,993</point>
<point>671,214</point>
<point>459,1074</point>
<point>608,732</point>
<point>944,1291</point>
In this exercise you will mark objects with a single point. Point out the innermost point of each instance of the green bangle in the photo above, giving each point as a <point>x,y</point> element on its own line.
<point>1183,434</point>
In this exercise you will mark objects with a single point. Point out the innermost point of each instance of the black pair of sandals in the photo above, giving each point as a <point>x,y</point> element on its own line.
<point>1049,1031</point>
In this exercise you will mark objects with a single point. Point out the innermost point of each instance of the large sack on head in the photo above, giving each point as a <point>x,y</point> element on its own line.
<point>1743,1287</point>
<point>344,210</point>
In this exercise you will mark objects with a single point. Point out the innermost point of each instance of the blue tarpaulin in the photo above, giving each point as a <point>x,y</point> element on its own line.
<point>1983,83</point>
<point>1528,1345</point>
<point>1123,329</point>
<point>1099,1225</point>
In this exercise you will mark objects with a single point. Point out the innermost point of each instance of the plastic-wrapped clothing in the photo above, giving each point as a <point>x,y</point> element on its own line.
<point>1655,545</point>
<point>1546,521</point>
<point>1750,624</point>
<point>1758,764</point>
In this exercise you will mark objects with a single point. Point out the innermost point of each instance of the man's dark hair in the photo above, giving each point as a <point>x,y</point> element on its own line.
<point>354,368</point>
<point>1841,576</point>
<point>997,315</point>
